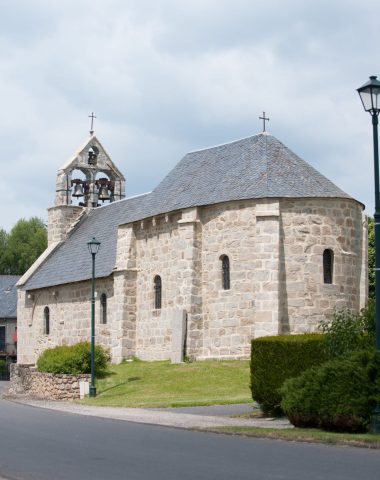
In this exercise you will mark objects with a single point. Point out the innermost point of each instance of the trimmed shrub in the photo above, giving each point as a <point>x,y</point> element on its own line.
<point>74,359</point>
<point>338,395</point>
<point>275,359</point>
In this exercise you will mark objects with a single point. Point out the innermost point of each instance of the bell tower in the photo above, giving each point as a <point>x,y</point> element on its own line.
<point>87,180</point>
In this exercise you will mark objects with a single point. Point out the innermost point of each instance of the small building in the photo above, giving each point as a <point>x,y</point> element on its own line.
<point>239,241</point>
<point>8,323</point>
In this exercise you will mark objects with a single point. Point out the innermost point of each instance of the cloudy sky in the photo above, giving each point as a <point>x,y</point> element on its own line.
<point>165,77</point>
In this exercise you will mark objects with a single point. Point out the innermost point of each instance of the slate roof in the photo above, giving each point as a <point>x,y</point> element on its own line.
<point>71,261</point>
<point>8,296</point>
<point>255,167</point>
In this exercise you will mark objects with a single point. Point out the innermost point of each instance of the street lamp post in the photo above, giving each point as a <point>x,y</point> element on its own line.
<point>370,97</point>
<point>93,247</point>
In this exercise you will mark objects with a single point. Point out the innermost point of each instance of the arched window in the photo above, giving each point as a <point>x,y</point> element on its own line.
<point>157,292</point>
<point>328,266</point>
<point>103,305</point>
<point>46,321</point>
<point>225,272</point>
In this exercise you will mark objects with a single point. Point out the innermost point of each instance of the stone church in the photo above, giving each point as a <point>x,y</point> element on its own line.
<point>238,241</point>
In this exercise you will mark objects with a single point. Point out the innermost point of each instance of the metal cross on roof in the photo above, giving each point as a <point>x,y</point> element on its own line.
<point>264,119</point>
<point>92,116</point>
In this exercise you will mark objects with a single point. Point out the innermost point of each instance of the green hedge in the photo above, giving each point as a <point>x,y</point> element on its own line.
<point>275,359</point>
<point>338,395</point>
<point>75,359</point>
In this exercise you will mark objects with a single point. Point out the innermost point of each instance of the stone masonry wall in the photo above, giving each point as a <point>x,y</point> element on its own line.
<point>190,279</point>
<point>25,379</point>
<point>228,229</point>
<point>157,249</point>
<point>267,275</point>
<point>70,313</point>
<point>125,295</point>
<point>308,228</point>
<point>168,246</point>
<point>275,248</point>
<point>60,220</point>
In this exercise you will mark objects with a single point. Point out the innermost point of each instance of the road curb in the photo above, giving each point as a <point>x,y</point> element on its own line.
<point>151,417</point>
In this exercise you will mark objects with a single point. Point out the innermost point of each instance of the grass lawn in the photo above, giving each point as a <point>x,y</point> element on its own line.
<point>162,384</point>
<point>311,435</point>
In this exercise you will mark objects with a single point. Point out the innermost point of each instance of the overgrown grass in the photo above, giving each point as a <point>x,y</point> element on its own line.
<point>162,384</point>
<point>309,435</point>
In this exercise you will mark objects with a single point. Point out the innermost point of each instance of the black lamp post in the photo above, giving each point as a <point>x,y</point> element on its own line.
<point>370,97</point>
<point>93,247</point>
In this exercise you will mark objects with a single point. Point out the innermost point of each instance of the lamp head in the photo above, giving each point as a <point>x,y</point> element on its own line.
<point>370,95</point>
<point>93,246</point>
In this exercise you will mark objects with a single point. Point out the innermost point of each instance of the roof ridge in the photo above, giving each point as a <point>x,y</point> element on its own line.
<point>121,200</point>
<point>231,142</point>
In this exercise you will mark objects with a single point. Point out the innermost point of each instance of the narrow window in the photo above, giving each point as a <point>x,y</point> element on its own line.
<point>103,304</point>
<point>46,321</point>
<point>157,292</point>
<point>225,272</point>
<point>328,264</point>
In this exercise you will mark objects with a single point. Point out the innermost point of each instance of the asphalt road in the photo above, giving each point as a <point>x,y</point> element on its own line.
<point>45,445</point>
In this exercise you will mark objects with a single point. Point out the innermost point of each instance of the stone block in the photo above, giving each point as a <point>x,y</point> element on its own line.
<point>178,324</point>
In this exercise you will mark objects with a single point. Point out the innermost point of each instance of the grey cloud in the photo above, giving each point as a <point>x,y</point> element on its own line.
<point>167,77</point>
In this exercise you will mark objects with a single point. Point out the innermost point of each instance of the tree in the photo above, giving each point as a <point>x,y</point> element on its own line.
<point>3,250</point>
<point>349,331</point>
<point>371,258</point>
<point>24,244</point>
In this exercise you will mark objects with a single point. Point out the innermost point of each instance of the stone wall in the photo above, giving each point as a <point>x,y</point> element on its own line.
<point>307,229</point>
<point>70,310</point>
<point>60,220</point>
<point>157,249</point>
<point>275,248</point>
<point>25,379</point>
<point>168,246</point>
<point>268,268</point>
<point>228,229</point>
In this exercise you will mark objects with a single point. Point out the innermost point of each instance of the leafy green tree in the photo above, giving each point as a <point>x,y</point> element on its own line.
<point>349,331</point>
<point>371,258</point>
<point>3,250</point>
<point>24,244</point>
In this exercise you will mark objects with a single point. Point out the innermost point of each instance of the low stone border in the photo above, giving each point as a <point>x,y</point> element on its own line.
<point>26,380</point>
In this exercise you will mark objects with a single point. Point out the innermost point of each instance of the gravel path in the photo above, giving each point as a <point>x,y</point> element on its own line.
<point>218,410</point>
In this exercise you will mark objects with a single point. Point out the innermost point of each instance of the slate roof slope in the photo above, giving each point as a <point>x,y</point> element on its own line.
<point>255,167</point>
<point>8,296</point>
<point>71,261</point>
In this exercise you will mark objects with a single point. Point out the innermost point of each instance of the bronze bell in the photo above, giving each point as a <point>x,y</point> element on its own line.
<point>78,190</point>
<point>92,155</point>
<point>103,193</point>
